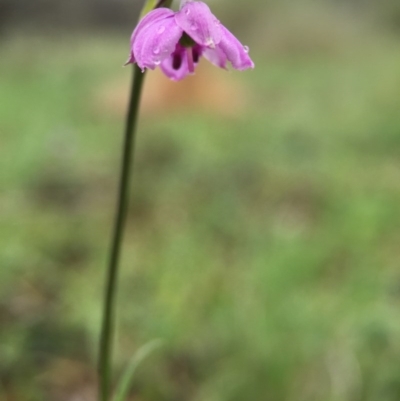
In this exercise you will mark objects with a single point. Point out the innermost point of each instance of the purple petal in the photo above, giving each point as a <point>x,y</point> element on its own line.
<point>176,66</point>
<point>148,19</point>
<point>196,19</point>
<point>174,73</point>
<point>155,41</point>
<point>235,52</point>
<point>215,56</point>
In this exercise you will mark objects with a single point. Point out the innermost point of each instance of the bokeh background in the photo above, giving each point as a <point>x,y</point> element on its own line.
<point>263,241</point>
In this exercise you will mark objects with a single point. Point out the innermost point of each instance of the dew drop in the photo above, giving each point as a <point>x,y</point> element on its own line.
<point>246,49</point>
<point>210,43</point>
<point>193,27</point>
<point>156,50</point>
<point>187,12</point>
<point>161,29</point>
<point>157,62</point>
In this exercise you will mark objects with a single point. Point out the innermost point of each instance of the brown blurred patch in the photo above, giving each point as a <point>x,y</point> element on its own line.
<point>210,90</point>
<point>68,380</point>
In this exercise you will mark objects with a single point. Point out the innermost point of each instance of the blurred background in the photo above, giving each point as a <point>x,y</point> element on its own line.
<point>263,241</point>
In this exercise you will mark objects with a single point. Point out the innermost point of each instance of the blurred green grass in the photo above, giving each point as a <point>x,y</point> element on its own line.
<point>262,248</point>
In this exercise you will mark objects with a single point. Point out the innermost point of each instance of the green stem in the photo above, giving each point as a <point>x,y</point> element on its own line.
<point>108,323</point>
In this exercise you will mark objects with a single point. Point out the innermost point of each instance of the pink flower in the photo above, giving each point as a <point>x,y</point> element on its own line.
<point>175,41</point>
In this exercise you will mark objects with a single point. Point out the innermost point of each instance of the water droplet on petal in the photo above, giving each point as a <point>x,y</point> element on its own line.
<point>156,50</point>
<point>157,62</point>
<point>187,12</point>
<point>217,22</point>
<point>193,27</point>
<point>246,49</point>
<point>210,43</point>
<point>160,30</point>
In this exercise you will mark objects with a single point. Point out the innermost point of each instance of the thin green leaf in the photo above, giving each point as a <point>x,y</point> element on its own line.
<point>127,378</point>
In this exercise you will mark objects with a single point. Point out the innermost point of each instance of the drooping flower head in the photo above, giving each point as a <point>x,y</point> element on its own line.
<point>175,41</point>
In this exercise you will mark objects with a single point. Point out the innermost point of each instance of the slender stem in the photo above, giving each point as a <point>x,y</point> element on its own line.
<point>108,323</point>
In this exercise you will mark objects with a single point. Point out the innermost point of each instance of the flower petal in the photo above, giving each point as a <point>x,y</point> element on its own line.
<point>176,74</point>
<point>176,66</point>
<point>215,56</point>
<point>235,52</point>
<point>156,41</point>
<point>149,18</point>
<point>197,20</point>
